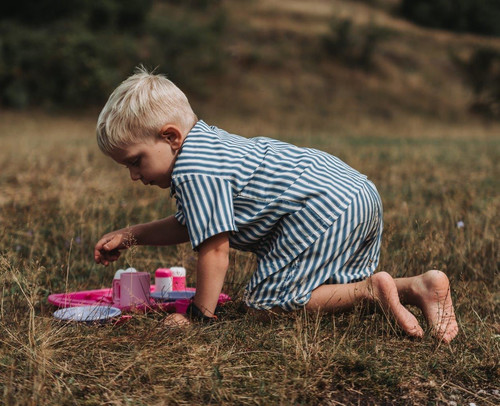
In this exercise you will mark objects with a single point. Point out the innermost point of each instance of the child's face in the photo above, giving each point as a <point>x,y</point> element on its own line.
<point>151,161</point>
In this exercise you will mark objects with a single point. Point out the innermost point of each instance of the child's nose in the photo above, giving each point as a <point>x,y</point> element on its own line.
<point>134,175</point>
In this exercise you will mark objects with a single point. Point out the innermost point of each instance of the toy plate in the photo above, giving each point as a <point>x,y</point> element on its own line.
<point>87,313</point>
<point>174,295</point>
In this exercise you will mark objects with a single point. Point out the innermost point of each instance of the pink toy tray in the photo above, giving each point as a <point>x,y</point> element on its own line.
<point>103,297</point>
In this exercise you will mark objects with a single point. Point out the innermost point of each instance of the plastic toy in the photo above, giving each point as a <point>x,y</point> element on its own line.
<point>103,297</point>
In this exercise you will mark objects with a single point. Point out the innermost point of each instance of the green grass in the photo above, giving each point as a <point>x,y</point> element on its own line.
<point>58,194</point>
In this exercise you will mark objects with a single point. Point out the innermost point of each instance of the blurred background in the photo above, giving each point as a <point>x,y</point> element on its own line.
<point>291,63</point>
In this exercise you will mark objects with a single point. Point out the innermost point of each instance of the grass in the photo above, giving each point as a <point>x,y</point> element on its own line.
<point>404,124</point>
<point>59,195</point>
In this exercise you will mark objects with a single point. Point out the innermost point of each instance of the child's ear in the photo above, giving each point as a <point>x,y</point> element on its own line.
<point>173,135</point>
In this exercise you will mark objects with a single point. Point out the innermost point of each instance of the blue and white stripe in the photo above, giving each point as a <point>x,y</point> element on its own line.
<point>347,252</point>
<point>274,198</point>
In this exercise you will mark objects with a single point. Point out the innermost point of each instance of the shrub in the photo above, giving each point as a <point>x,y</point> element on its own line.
<point>480,17</point>
<point>481,72</point>
<point>52,54</point>
<point>351,45</point>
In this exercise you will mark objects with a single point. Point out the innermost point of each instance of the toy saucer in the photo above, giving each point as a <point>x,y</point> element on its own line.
<point>173,295</point>
<point>89,314</point>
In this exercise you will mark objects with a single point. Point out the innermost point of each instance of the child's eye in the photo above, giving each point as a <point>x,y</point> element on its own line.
<point>136,162</point>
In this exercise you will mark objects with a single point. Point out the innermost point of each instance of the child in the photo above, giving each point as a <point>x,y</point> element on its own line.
<point>314,223</point>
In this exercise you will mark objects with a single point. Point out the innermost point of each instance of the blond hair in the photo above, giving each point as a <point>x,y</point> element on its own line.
<point>139,108</point>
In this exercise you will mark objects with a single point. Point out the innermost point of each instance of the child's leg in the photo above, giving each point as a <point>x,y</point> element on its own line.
<point>431,293</point>
<point>379,288</point>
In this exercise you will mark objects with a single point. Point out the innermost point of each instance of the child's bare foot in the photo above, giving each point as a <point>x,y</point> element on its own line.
<point>379,288</point>
<point>431,293</point>
<point>384,291</point>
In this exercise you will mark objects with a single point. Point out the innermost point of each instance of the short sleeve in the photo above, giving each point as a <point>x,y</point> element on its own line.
<point>205,206</point>
<point>179,215</point>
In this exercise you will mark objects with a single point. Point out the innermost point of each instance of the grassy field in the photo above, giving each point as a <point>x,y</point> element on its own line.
<point>58,195</point>
<point>407,128</point>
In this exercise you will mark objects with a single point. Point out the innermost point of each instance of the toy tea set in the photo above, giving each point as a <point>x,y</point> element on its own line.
<point>130,292</point>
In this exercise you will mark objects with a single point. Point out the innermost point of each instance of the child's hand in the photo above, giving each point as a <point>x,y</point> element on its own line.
<point>108,247</point>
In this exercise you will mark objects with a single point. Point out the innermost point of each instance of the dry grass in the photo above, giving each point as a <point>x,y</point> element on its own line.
<point>59,195</point>
<point>433,164</point>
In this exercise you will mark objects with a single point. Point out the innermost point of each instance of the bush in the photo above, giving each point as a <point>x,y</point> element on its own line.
<point>353,46</point>
<point>480,17</point>
<point>481,72</point>
<point>55,55</point>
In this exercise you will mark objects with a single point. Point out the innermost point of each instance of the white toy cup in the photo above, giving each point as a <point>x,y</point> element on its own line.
<point>163,280</point>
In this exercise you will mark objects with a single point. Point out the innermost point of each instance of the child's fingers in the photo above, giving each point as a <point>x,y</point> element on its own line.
<point>107,249</point>
<point>99,256</point>
<point>99,247</point>
<point>114,243</point>
<point>110,255</point>
<point>99,259</point>
<point>113,257</point>
<point>102,256</point>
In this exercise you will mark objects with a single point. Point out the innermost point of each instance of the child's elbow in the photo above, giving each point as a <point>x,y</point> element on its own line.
<point>221,254</point>
<point>216,248</point>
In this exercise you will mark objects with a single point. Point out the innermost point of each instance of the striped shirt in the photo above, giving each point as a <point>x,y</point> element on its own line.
<point>274,199</point>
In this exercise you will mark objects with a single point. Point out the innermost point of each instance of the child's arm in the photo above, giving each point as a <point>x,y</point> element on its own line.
<point>167,231</point>
<point>213,261</point>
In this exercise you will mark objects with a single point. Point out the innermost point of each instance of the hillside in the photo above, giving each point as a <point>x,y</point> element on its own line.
<point>278,70</point>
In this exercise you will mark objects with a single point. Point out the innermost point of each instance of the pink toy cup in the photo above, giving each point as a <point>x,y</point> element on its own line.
<point>115,288</point>
<point>134,289</point>
<point>116,291</point>
<point>178,278</point>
